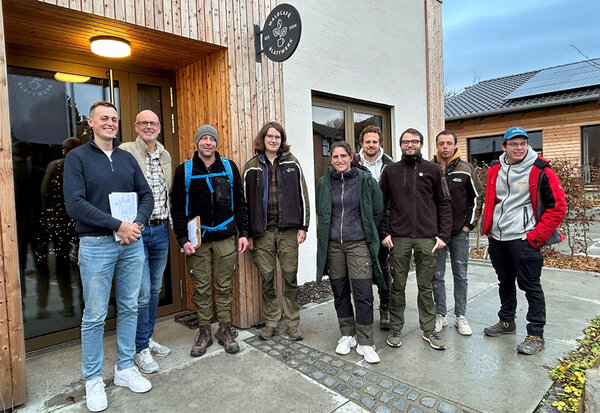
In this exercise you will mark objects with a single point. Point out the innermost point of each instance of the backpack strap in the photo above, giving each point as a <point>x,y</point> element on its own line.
<point>188,178</point>
<point>229,172</point>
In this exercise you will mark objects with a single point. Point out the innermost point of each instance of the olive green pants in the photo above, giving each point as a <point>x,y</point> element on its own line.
<point>350,269</point>
<point>400,262</point>
<point>267,248</point>
<point>220,256</point>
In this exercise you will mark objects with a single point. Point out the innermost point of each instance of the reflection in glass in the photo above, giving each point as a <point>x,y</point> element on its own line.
<point>149,98</point>
<point>590,152</point>
<point>329,126</point>
<point>362,120</point>
<point>47,118</point>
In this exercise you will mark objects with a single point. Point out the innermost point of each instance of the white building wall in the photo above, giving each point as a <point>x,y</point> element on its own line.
<point>360,49</point>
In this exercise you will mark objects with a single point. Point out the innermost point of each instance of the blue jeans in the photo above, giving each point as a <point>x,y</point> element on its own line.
<point>156,251</point>
<point>99,259</point>
<point>458,245</point>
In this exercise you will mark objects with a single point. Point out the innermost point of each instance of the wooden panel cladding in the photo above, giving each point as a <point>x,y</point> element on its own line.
<point>435,71</point>
<point>560,126</point>
<point>13,386</point>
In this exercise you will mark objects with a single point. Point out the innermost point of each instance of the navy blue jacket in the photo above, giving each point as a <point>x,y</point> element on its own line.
<point>90,176</point>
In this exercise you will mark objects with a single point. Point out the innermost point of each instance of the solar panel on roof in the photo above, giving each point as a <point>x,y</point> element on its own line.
<point>561,78</point>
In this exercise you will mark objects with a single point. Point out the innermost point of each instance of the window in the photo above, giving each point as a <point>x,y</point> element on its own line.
<point>487,149</point>
<point>337,119</point>
<point>590,152</point>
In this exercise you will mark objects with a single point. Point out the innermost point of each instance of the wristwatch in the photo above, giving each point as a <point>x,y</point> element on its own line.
<point>139,224</point>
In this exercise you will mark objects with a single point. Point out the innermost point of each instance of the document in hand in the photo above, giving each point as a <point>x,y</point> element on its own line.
<point>193,228</point>
<point>123,206</point>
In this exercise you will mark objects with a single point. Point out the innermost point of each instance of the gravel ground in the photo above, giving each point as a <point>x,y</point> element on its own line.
<point>312,292</point>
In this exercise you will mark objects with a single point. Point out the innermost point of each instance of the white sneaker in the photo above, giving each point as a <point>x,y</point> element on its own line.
<point>345,344</point>
<point>145,362</point>
<point>463,326</point>
<point>158,349</point>
<point>95,396</point>
<point>131,377</point>
<point>440,322</point>
<point>368,353</point>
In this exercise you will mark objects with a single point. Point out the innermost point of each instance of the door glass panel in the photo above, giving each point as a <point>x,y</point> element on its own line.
<point>362,120</point>
<point>149,98</point>
<point>48,118</point>
<point>329,126</point>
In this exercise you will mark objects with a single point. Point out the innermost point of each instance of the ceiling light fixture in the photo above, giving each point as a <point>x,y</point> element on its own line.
<point>70,78</point>
<point>110,46</point>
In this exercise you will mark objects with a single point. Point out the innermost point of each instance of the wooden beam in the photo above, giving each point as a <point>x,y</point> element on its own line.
<point>435,71</point>
<point>13,385</point>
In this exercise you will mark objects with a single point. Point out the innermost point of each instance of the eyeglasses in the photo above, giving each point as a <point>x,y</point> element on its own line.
<point>276,137</point>
<point>413,142</point>
<point>145,123</point>
<point>522,144</point>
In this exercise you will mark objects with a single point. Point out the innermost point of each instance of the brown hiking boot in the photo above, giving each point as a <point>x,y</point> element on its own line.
<point>203,340</point>
<point>268,332</point>
<point>294,333</point>
<point>226,339</point>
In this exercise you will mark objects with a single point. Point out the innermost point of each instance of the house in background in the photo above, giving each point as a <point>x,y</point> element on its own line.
<point>558,106</point>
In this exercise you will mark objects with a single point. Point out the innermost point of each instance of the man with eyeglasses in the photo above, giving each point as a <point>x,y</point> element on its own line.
<point>155,162</point>
<point>278,214</point>
<point>93,172</point>
<point>524,204</point>
<point>418,217</point>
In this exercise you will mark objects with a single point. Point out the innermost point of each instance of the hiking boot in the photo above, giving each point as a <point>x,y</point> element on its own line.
<point>268,332</point>
<point>225,338</point>
<point>345,344</point>
<point>369,354</point>
<point>394,339</point>
<point>440,322</point>
<point>294,333</point>
<point>384,318</point>
<point>463,326</point>
<point>203,340</point>
<point>145,362</point>
<point>95,396</point>
<point>500,328</point>
<point>132,379</point>
<point>434,340</point>
<point>531,345</point>
<point>158,349</point>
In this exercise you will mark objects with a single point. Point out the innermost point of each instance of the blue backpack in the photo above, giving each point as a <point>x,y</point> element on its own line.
<point>188,178</point>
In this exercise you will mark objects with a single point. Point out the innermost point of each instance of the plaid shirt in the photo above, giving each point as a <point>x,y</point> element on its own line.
<point>272,199</point>
<point>156,180</point>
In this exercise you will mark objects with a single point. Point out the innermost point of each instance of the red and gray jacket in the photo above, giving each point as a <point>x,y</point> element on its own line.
<point>547,200</point>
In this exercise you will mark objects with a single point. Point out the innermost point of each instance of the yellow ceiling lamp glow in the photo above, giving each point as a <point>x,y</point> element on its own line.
<point>110,46</point>
<point>70,78</point>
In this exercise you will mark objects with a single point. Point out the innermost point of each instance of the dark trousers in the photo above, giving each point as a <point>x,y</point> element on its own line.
<point>384,262</point>
<point>517,259</point>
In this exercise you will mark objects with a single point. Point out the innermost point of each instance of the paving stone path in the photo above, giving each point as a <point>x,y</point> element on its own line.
<point>369,389</point>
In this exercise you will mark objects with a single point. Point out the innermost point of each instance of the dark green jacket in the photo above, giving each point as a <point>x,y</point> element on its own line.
<point>371,210</point>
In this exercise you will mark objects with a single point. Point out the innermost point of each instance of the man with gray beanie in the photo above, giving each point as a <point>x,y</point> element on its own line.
<point>209,186</point>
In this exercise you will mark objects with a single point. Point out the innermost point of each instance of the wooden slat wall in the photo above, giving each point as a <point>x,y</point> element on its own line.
<point>227,89</point>
<point>561,127</point>
<point>435,71</point>
<point>13,387</point>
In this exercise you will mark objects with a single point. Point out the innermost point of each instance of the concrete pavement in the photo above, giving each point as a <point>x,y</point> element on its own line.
<point>474,373</point>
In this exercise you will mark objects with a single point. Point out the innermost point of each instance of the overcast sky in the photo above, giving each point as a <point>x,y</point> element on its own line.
<point>488,39</point>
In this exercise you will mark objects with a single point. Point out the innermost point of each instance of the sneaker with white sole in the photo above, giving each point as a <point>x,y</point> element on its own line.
<point>345,344</point>
<point>145,362</point>
<point>368,353</point>
<point>440,322</point>
<point>463,326</point>
<point>394,339</point>
<point>434,340</point>
<point>131,378</point>
<point>158,349</point>
<point>95,396</point>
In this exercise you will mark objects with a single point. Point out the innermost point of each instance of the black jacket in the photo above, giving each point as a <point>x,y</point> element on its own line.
<point>213,208</point>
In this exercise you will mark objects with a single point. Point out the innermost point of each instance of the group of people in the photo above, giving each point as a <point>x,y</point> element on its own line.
<point>373,216</point>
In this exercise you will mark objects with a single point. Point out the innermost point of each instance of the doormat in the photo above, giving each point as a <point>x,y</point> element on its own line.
<point>188,318</point>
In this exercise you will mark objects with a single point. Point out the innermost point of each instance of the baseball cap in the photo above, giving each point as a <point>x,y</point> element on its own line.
<point>514,132</point>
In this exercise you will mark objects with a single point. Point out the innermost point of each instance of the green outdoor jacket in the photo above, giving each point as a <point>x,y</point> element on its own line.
<point>371,210</point>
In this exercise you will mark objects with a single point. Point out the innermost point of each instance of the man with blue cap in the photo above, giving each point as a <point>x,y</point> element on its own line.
<point>524,204</point>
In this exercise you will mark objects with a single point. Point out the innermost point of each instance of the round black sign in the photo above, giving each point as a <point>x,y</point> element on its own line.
<point>281,32</point>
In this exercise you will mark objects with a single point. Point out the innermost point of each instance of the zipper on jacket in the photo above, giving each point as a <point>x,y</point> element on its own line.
<point>111,164</point>
<point>502,206</point>
<point>342,220</point>
<point>525,218</point>
<point>414,185</point>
